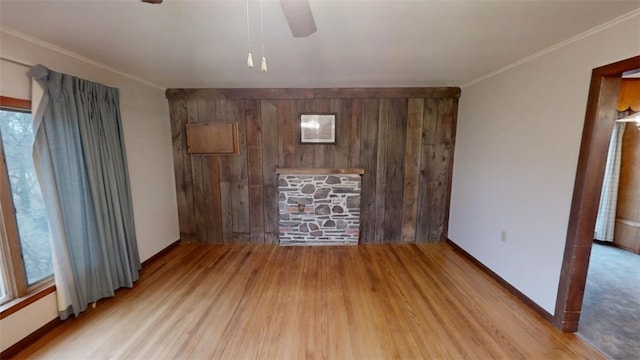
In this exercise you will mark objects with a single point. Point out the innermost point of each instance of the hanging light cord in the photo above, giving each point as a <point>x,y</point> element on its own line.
<point>248,32</point>
<point>261,28</point>
<point>263,65</point>
<point>249,57</point>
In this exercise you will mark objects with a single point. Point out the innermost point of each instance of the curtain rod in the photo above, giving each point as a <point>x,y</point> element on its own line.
<point>15,61</point>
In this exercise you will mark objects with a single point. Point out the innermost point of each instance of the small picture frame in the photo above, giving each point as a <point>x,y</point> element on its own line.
<point>318,128</point>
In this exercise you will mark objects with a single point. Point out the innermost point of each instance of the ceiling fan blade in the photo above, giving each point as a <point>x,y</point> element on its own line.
<point>152,1</point>
<point>299,17</point>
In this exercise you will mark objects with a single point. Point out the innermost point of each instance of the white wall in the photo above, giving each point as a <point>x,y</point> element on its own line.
<point>517,146</point>
<point>147,132</point>
<point>18,325</point>
<point>14,81</point>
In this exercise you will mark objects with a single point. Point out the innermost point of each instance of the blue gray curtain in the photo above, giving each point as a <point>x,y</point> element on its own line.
<point>81,164</point>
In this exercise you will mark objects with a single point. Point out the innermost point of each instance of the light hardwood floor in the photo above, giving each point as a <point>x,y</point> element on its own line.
<point>269,302</point>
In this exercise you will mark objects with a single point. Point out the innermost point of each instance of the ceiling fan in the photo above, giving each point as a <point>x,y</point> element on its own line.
<point>297,12</point>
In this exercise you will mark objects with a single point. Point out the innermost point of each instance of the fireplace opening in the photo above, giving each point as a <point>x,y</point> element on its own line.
<point>319,206</point>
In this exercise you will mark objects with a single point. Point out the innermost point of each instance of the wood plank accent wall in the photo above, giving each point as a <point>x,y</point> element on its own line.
<point>403,137</point>
<point>627,230</point>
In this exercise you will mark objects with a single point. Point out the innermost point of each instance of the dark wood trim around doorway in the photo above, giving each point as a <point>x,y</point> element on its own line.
<point>598,124</point>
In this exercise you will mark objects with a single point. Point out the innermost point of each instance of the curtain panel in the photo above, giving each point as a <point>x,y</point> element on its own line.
<point>81,163</point>
<point>606,219</point>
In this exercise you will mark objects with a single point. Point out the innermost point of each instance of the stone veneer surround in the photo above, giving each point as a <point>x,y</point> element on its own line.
<point>319,209</point>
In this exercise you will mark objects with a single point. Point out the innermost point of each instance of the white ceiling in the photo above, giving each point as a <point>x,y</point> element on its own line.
<point>192,44</point>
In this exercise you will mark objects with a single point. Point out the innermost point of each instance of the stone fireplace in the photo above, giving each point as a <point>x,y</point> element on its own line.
<point>319,206</point>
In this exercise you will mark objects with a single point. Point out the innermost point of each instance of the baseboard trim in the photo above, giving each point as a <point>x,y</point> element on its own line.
<point>159,254</point>
<point>14,349</point>
<point>617,246</point>
<point>522,297</point>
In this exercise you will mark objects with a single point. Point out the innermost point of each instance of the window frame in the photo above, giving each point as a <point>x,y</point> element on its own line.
<point>5,277</point>
<point>14,272</point>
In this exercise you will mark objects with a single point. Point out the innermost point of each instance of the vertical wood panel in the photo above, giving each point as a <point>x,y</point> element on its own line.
<point>425,194</point>
<point>445,120</point>
<point>448,171</point>
<point>210,200</point>
<point>322,154</point>
<point>235,111</point>
<point>287,133</point>
<point>381,174</point>
<point>225,200</point>
<point>412,169</point>
<point>369,162</point>
<point>394,172</point>
<point>182,169</point>
<point>224,168</point>
<point>341,151</point>
<point>215,236</point>
<point>271,150</point>
<point>354,140</point>
<point>197,181</point>
<point>254,165</point>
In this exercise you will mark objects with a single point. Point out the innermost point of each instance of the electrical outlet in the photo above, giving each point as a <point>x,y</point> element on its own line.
<point>503,236</point>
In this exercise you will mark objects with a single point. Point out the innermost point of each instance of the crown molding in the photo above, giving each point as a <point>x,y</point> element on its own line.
<point>70,54</point>
<point>595,30</point>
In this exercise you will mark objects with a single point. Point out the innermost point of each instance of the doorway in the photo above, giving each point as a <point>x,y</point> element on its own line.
<point>610,314</point>
<point>599,121</point>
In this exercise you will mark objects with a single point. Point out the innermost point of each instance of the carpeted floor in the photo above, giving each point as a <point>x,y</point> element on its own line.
<point>611,308</point>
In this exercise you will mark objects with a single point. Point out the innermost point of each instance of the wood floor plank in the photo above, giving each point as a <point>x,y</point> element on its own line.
<point>374,301</point>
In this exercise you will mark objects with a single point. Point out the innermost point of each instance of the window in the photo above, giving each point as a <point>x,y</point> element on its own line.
<point>25,252</point>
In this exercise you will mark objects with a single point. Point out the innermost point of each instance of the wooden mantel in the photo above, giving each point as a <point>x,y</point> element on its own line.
<point>319,171</point>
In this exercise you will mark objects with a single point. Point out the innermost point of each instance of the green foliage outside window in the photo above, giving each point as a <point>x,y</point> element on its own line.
<point>33,227</point>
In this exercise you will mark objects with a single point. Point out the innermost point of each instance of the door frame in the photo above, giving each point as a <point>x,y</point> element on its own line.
<point>598,124</point>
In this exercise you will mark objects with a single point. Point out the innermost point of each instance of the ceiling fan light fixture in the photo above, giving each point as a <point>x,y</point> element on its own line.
<point>263,66</point>
<point>250,61</point>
